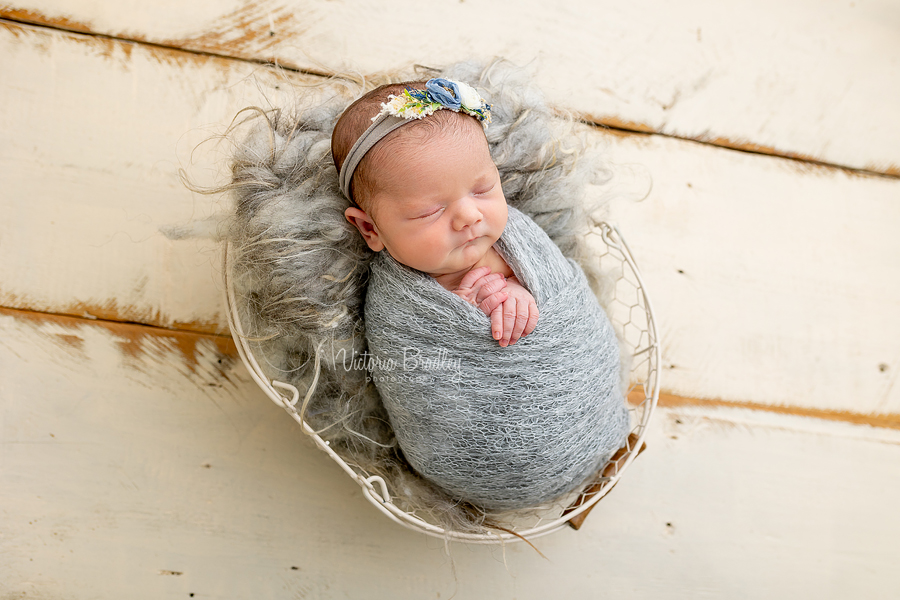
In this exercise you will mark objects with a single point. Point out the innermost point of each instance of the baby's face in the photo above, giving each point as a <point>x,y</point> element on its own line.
<point>440,208</point>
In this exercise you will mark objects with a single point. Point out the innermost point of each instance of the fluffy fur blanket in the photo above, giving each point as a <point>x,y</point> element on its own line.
<point>300,270</point>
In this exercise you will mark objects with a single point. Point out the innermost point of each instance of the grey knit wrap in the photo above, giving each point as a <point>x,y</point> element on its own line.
<point>300,270</point>
<point>501,428</point>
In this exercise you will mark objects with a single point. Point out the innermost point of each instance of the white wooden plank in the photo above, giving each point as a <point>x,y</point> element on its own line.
<point>800,77</point>
<point>772,283</point>
<point>790,287</point>
<point>92,134</point>
<point>141,474</point>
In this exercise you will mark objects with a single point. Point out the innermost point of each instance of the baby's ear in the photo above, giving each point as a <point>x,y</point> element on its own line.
<point>366,227</point>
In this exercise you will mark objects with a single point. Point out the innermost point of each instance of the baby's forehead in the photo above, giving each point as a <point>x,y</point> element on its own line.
<point>455,131</point>
<point>424,153</point>
<point>432,149</point>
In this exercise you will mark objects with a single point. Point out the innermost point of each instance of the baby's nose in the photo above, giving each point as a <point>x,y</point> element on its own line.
<point>466,214</point>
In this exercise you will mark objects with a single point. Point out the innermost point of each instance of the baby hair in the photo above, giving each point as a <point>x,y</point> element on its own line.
<point>358,117</point>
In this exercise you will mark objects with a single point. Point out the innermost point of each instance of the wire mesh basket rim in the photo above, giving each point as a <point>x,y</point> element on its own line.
<point>380,497</point>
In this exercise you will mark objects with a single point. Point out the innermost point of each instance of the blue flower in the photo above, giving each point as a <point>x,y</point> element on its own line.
<point>444,92</point>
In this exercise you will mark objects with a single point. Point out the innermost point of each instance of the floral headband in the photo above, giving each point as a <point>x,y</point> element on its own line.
<point>412,104</point>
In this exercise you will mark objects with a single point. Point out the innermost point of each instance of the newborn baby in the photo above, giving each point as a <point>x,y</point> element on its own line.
<point>430,195</point>
<point>502,426</point>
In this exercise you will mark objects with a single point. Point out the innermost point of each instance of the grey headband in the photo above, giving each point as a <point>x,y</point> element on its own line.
<point>380,127</point>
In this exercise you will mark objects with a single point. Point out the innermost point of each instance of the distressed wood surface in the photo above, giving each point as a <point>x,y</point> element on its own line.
<point>138,461</point>
<point>775,283</point>
<point>794,77</point>
<point>94,132</point>
<point>149,466</point>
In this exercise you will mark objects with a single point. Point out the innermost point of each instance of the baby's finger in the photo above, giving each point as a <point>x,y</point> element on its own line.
<point>490,304</point>
<point>488,280</point>
<point>492,285</point>
<point>521,322</point>
<point>472,276</point>
<point>464,294</point>
<point>493,277</point>
<point>497,323</point>
<point>532,318</point>
<point>509,320</point>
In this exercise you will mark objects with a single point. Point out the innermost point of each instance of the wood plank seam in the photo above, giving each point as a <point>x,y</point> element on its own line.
<point>616,127</point>
<point>75,30</point>
<point>668,400</point>
<point>883,421</point>
<point>24,313</point>
<point>609,124</point>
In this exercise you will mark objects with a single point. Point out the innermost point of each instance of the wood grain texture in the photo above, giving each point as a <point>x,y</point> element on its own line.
<point>888,420</point>
<point>97,221</point>
<point>814,80</point>
<point>775,283</point>
<point>142,462</point>
<point>165,476</point>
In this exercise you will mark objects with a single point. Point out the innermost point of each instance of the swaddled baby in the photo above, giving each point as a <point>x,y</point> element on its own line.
<point>499,370</point>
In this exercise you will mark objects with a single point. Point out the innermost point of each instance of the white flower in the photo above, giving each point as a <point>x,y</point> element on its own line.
<point>397,104</point>
<point>468,97</point>
<point>417,105</point>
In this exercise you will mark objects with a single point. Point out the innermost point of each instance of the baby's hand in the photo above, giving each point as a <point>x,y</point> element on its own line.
<point>517,316</point>
<point>483,289</point>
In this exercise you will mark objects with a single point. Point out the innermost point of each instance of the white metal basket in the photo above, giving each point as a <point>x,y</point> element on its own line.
<point>628,307</point>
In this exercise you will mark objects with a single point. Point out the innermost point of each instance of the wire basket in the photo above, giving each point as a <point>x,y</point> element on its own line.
<point>627,306</point>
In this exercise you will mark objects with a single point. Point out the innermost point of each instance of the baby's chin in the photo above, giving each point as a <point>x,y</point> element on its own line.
<point>472,252</point>
<point>460,266</point>
<point>461,259</point>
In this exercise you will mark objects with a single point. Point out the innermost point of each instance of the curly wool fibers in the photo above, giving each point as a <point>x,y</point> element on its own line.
<point>300,270</point>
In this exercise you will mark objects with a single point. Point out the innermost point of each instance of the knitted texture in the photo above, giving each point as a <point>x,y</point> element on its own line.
<point>501,428</point>
<point>300,270</point>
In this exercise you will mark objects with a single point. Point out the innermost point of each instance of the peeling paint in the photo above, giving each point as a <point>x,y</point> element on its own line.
<point>31,16</point>
<point>106,45</point>
<point>110,310</point>
<point>74,341</point>
<point>246,33</point>
<point>137,341</point>
<point>805,163</point>
<point>618,123</point>
<point>252,32</point>
<point>14,28</point>
<point>889,169</point>
<point>249,31</point>
<point>668,400</point>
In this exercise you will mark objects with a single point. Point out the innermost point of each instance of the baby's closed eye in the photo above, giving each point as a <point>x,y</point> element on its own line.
<point>430,213</point>
<point>481,191</point>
